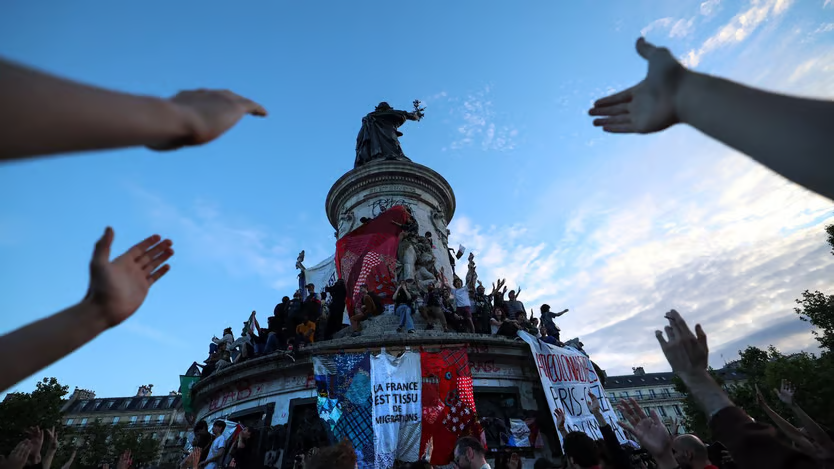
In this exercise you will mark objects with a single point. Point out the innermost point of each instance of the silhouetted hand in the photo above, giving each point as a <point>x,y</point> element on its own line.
<point>649,431</point>
<point>124,461</point>
<point>68,464</point>
<point>648,106</point>
<point>210,114</point>
<point>119,287</point>
<point>18,457</point>
<point>52,441</point>
<point>785,393</point>
<point>560,419</point>
<point>686,352</point>
<point>36,438</point>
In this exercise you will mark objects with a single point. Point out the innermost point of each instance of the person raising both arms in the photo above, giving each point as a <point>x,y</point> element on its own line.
<point>792,136</point>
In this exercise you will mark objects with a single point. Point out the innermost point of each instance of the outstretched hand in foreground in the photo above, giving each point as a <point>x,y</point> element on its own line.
<point>117,289</point>
<point>648,106</point>
<point>45,114</point>
<point>790,135</point>
<point>18,457</point>
<point>648,431</point>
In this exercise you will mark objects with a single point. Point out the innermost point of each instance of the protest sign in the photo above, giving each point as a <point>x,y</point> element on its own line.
<point>567,377</point>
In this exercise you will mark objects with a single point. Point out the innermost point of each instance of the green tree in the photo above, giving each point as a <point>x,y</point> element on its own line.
<point>817,308</point>
<point>20,410</point>
<point>829,230</point>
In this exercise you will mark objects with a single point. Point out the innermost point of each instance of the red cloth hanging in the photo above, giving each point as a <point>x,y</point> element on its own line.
<point>368,255</point>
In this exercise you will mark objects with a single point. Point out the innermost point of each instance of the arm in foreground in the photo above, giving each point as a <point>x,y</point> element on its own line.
<point>117,289</point>
<point>43,114</point>
<point>790,135</point>
<point>750,443</point>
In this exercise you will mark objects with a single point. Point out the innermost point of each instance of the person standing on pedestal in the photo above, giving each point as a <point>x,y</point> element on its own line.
<point>378,138</point>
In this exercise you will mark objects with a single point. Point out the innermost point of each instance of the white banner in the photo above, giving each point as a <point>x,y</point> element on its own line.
<point>322,274</point>
<point>567,377</point>
<point>396,384</point>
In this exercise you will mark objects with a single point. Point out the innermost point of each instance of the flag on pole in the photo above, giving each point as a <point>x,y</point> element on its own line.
<point>252,325</point>
<point>186,383</point>
<point>461,251</point>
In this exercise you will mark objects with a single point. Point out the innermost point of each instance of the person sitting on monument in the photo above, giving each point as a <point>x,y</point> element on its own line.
<point>312,303</point>
<point>305,334</point>
<point>295,313</point>
<point>403,302</point>
<point>433,308</point>
<point>455,321</point>
<point>227,338</point>
<point>463,305</point>
<point>336,310</point>
<point>365,308</point>
<point>503,326</point>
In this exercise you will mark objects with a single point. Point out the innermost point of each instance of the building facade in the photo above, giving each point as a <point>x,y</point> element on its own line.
<point>656,391</point>
<point>161,417</point>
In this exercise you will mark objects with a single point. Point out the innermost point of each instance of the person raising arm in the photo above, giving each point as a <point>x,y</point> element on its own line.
<point>792,136</point>
<point>117,289</point>
<point>44,114</point>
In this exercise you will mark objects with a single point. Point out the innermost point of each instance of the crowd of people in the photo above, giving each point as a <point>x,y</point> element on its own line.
<point>297,323</point>
<point>49,115</point>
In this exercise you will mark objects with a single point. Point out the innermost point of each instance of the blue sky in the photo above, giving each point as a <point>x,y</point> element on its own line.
<point>616,228</point>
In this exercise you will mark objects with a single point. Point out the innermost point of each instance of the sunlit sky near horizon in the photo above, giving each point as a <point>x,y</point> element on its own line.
<point>617,228</point>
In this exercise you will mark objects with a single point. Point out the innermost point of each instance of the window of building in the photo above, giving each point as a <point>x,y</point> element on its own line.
<point>667,393</point>
<point>678,411</point>
<point>652,393</point>
<point>80,406</point>
<point>157,403</point>
<point>70,421</point>
<point>125,403</point>
<point>133,419</point>
<point>624,395</point>
<point>648,412</point>
<point>109,404</point>
<point>171,401</point>
<point>144,402</point>
<point>154,436</point>
<point>160,418</point>
<point>98,404</point>
<point>639,394</point>
<point>83,422</point>
<point>662,411</point>
<point>147,419</point>
<point>182,434</point>
<point>115,420</point>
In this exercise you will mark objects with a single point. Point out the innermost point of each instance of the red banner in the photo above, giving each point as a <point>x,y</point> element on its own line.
<point>448,403</point>
<point>368,255</point>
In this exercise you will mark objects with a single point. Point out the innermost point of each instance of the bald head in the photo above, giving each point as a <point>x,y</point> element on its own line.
<point>690,451</point>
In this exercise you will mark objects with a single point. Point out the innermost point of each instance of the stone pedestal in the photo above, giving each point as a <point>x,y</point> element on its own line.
<point>370,189</point>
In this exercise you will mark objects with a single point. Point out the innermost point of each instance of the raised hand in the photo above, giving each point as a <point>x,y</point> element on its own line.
<point>18,457</point>
<point>561,312</point>
<point>560,419</point>
<point>195,457</point>
<point>68,464</point>
<point>786,392</point>
<point>36,438</point>
<point>649,106</point>
<point>52,442</point>
<point>119,287</point>
<point>593,404</point>
<point>210,113</point>
<point>686,352</point>
<point>124,461</point>
<point>514,462</point>
<point>649,431</point>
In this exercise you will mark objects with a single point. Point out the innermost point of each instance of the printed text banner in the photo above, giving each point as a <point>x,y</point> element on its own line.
<point>567,377</point>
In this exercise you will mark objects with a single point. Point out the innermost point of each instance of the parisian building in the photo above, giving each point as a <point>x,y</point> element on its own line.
<point>161,417</point>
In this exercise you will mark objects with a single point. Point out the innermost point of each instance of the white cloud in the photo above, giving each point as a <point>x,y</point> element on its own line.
<point>731,252</point>
<point>480,124</point>
<point>740,27</point>
<point>709,7</point>
<point>828,3</point>
<point>206,235</point>
<point>825,27</point>
<point>681,28</point>
<point>661,23</point>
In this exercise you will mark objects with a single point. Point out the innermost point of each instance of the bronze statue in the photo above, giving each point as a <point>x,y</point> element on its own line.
<point>378,138</point>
